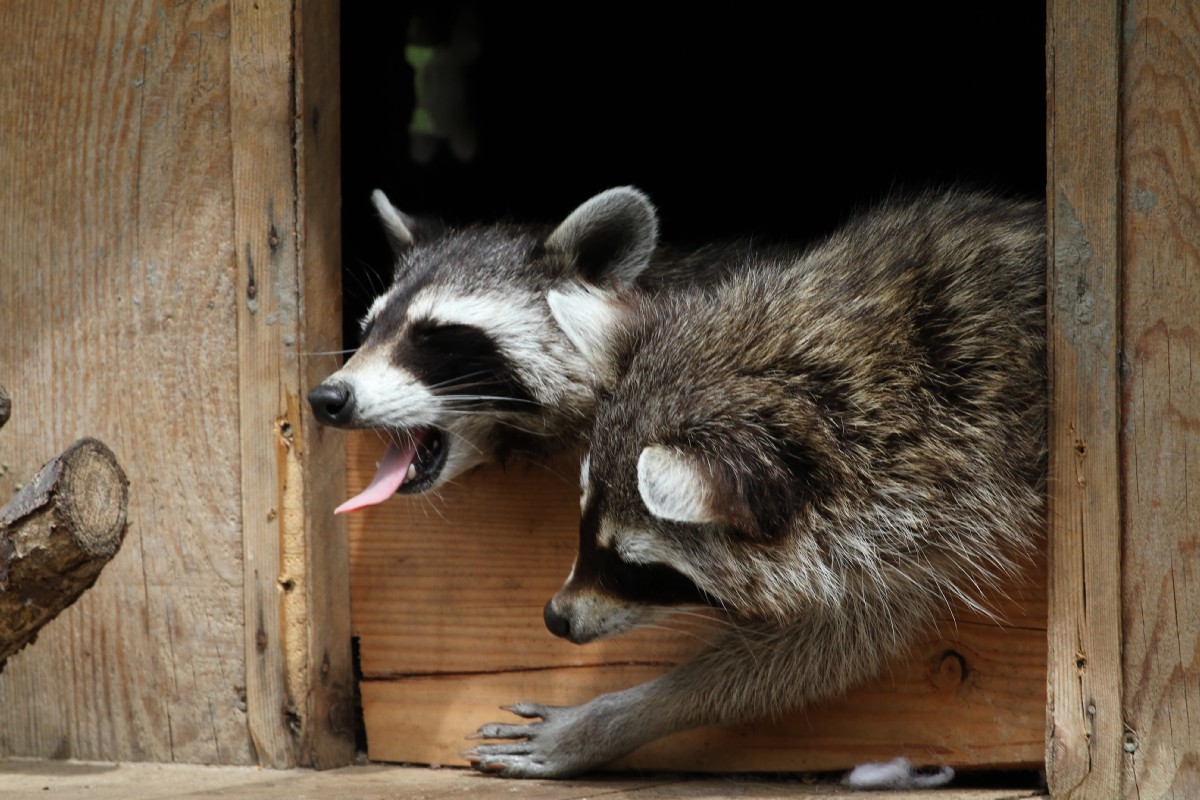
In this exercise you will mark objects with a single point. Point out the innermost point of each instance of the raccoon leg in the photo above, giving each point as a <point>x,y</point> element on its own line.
<point>756,670</point>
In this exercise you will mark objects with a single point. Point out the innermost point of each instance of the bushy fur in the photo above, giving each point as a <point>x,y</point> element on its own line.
<point>829,449</point>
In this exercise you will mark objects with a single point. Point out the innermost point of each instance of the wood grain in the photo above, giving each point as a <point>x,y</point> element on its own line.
<point>117,268</point>
<point>327,735</point>
<point>27,781</point>
<point>162,204</point>
<point>1161,400</point>
<point>261,97</point>
<point>1084,725</point>
<point>447,594</point>
<point>299,675</point>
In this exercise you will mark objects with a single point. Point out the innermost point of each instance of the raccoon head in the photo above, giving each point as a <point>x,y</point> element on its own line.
<point>654,542</point>
<point>461,361</point>
<point>689,494</point>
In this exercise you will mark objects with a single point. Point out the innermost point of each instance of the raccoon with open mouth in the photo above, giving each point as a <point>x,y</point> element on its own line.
<point>461,362</point>
<point>828,451</point>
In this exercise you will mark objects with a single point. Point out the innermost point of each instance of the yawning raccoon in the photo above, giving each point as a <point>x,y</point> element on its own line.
<point>461,361</point>
<point>827,450</point>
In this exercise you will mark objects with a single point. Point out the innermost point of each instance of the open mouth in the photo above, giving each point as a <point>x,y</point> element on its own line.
<point>427,463</point>
<point>412,463</point>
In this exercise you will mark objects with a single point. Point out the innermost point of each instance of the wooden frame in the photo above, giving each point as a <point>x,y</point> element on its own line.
<point>168,252</point>
<point>1124,644</point>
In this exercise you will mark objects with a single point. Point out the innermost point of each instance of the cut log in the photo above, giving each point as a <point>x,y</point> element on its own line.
<point>56,534</point>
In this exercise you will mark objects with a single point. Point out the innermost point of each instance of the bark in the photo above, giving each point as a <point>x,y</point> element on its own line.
<point>56,534</point>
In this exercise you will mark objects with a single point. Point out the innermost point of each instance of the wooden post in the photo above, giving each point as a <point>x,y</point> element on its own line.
<point>56,535</point>
<point>299,683</point>
<point>328,738</point>
<point>1084,727</point>
<point>1124,672</point>
<point>1160,400</point>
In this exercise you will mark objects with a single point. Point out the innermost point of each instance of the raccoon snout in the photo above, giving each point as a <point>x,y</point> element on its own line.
<point>332,404</point>
<point>556,623</point>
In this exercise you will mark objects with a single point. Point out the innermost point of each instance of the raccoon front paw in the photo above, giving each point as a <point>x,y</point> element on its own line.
<point>568,740</point>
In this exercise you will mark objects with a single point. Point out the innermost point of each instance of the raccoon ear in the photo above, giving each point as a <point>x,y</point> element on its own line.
<point>677,486</point>
<point>609,238</point>
<point>398,227</point>
<point>591,319</point>
<point>674,486</point>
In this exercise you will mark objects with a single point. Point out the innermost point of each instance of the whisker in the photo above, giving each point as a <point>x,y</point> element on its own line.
<point>329,352</point>
<point>474,397</point>
<point>466,441</point>
<point>449,381</point>
<point>741,634</point>
<point>680,631</point>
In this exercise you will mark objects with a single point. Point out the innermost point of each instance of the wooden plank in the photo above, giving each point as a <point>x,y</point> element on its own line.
<point>117,274</point>
<point>299,682</point>
<point>1161,400</point>
<point>447,593</point>
<point>1084,727</point>
<point>327,733</point>
<point>25,780</point>
<point>261,109</point>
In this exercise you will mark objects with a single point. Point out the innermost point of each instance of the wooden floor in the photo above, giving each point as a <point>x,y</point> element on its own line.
<point>30,779</point>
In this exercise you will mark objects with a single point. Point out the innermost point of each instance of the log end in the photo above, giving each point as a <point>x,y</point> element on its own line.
<point>93,492</point>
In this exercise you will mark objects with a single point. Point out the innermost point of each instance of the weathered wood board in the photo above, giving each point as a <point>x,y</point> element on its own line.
<point>1084,715</point>
<point>1160,400</point>
<point>1124,661</point>
<point>119,322</point>
<point>34,780</point>
<point>149,153</point>
<point>447,595</point>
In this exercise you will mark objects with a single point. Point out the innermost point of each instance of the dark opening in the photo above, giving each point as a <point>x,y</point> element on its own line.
<point>773,121</point>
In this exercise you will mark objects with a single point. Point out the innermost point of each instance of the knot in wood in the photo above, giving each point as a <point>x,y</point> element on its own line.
<point>950,672</point>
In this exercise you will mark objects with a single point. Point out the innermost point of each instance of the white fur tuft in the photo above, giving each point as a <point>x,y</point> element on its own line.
<point>585,480</point>
<point>898,773</point>
<point>672,487</point>
<point>396,224</point>
<point>590,319</point>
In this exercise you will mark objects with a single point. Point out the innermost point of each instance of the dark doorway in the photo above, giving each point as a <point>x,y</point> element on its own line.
<point>768,122</point>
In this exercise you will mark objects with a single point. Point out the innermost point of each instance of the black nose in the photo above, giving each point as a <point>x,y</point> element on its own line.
<point>556,623</point>
<point>332,404</point>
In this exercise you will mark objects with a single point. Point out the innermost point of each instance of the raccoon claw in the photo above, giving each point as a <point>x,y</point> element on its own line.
<point>498,730</point>
<point>508,760</point>
<point>527,710</point>
<point>538,751</point>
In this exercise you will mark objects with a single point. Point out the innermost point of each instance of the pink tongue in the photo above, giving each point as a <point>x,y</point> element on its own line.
<point>389,478</point>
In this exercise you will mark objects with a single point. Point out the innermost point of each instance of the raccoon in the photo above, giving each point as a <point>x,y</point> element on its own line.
<point>827,452</point>
<point>461,362</point>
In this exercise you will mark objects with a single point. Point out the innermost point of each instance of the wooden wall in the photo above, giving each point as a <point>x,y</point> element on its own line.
<point>447,596</point>
<point>170,201</point>
<point>169,194</point>
<point>1124,186</point>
